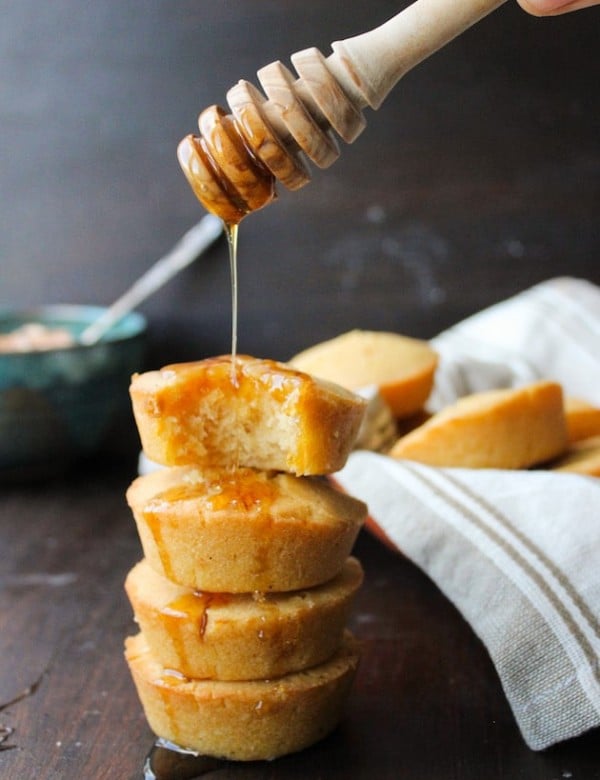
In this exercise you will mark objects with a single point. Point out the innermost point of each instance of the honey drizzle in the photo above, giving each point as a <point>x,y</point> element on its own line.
<point>153,521</point>
<point>193,607</point>
<point>231,231</point>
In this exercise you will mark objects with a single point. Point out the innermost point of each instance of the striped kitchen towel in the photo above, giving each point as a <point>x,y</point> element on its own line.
<point>517,552</point>
<point>550,331</point>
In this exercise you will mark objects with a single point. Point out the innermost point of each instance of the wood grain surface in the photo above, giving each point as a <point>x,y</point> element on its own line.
<point>427,702</point>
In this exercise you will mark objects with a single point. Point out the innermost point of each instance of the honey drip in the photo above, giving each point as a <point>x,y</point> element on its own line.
<point>231,231</point>
<point>193,607</point>
<point>153,521</point>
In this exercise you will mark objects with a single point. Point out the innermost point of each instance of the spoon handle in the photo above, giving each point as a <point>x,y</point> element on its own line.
<point>187,249</point>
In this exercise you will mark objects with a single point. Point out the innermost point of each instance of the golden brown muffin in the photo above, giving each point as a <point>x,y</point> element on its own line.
<point>243,530</point>
<point>245,636</point>
<point>504,429</point>
<point>243,721</point>
<point>261,414</point>
<point>401,368</point>
<point>583,419</point>
<point>582,457</point>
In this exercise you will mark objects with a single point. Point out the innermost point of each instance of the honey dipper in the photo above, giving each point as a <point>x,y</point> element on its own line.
<point>233,165</point>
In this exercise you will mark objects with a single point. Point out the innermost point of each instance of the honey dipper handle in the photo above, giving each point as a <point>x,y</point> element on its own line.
<point>368,66</point>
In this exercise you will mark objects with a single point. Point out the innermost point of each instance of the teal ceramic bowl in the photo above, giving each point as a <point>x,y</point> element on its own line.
<point>58,405</point>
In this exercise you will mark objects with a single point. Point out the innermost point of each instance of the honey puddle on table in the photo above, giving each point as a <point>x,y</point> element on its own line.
<point>167,761</point>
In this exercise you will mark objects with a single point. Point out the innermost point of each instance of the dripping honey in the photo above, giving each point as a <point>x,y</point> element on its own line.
<point>231,231</point>
<point>194,607</point>
<point>241,489</point>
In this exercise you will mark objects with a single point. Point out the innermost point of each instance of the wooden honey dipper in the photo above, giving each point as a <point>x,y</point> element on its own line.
<point>232,166</point>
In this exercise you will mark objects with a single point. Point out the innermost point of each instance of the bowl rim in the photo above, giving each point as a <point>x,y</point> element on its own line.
<point>134,322</point>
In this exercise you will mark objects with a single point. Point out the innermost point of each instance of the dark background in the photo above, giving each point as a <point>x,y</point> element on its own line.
<point>478,176</point>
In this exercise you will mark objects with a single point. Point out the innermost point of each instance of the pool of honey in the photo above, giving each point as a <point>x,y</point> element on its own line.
<point>167,761</point>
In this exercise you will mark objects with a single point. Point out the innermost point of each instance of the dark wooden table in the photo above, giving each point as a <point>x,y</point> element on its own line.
<point>479,177</point>
<point>427,703</point>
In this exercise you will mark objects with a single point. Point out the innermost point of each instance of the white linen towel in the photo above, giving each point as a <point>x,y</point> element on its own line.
<point>517,552</point>
<point>551,331</point>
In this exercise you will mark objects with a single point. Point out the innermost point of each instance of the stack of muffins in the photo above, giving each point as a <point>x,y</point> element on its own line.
<point>246,584</point>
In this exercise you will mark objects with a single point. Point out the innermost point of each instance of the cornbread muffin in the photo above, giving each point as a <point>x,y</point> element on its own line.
<point>244,636</point>
<point>504,429</point>
<point>582,457</point>
<point>401,368</point>
<point>583,419</point>
<point>251,720</point>
<point>243,530</point>
<point>256,413</point>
